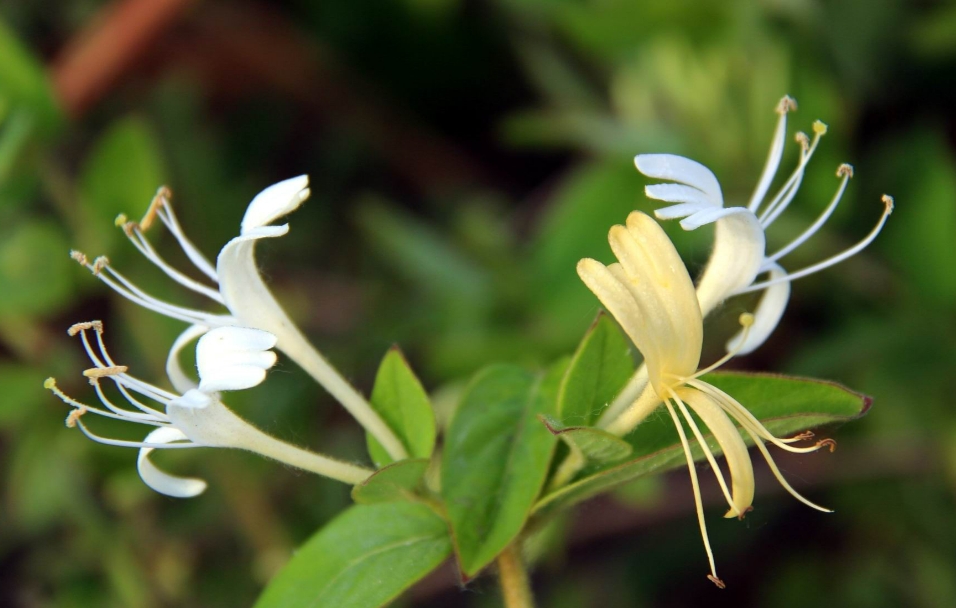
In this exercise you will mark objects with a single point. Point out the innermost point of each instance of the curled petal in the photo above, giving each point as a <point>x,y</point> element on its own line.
<point>683,171</point>
<point>177,376</point>
<point>739,246</point>
<point>677,193</point>
<point>234,358</point>
<point>767,315</point>
<point>274,202</point>
<point>164,483</point>
<point>731,444</point>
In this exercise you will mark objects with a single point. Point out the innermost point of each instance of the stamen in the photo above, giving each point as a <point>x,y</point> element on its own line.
<point>792,185</point>
<point>720,584</point>
<point>846,172</point>
<point>131,444</point>
<point>747,420</point>
<point>781,479</point>
<point>830,443</point>
<point>78,327</point>
<point>887,210</point>
<point>776,154</point>
<point>102,372</point>
<point>73,417</point>
<point>168,217</point>
<point>116,414</point>
<point>162,196</point>
<point>697,500</point>
<point>718,473</point>
<point>99,264</point>
<point>746,321</point>
<point>148,413</point>
<point>143,245</point>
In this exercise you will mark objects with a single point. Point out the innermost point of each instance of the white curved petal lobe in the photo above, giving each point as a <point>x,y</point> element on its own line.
<point>234,358</point>
<point>174,369</point>
<point>769,311</point>
<point>677,193</point>
<point>739,246</point>
<point>683,171</point>
<point>275,201</point>
<point>164,483</point>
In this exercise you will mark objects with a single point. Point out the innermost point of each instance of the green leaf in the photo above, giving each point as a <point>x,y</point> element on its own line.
<point>785,405</point>
<point>35,269</point>
<point>402,402</point>
<point>363,558</point>
<point>596,445</point>
<point>599,370</point>
<point>120,175</point>
<point>23,82</point>
<point>496,458</point>
<point>395,482</point>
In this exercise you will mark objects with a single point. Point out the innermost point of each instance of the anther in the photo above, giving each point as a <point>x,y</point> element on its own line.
<point>845,170</point>
<point>803,139</point>
<point>744,512</point>
<point>79,256</point>
<point>829,443</point>
<point>720,584</point>
<point>100,263</point>
<point>819,128</point>
<point>74,417</point>
<point>787,104</point>
<point>889,202</point>
<point>161,198</point>
<point>129,228</point>
<point>102,372</point>
<point>78,327</point>
<point>803,436</point>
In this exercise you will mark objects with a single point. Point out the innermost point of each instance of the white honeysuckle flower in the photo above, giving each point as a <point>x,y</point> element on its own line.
<point>652,297</point>
<point>739,255</point>
<point>238,287</point>
<point>229,358</point>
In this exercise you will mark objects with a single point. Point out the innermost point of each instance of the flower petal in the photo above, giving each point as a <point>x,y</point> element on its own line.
<point>677,193</point>
<point>767,315</point>
<point>234,358</point>
<point>731,444</point>
<point>179,378</point>
<point>683,171</point>
<point>739,245</point>
<point>275,201</point>
<point>164,483</point>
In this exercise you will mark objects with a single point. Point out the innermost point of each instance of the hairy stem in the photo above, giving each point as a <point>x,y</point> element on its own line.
<point>515,587</point>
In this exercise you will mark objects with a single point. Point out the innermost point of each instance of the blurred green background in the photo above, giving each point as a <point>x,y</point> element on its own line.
<point>463,155</point>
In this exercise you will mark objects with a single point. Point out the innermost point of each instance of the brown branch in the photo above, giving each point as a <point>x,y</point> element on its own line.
<point>92,62</point>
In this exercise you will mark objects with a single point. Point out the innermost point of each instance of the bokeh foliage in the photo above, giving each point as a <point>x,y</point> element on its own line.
<point>537,107</point>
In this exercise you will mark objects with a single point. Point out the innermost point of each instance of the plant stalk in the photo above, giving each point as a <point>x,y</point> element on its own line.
<point>515,586</point>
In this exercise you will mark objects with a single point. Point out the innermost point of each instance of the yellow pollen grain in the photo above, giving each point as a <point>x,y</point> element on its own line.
<point>102,372</point>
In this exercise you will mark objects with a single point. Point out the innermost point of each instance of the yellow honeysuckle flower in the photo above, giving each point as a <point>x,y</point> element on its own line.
<point>652,297</point>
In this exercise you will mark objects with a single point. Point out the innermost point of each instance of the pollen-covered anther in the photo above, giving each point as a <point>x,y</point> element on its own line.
<point>100,263</point>
<point>803,139</point>
<point>889,202</point>
<point>720,584</point>
<point>163,194</point>
<point>787,104</point>
<point>74,417</point>
<point>827,443</point>
<point>79,256</point>
<point>819,128</point>
<point>76,328</point>
<point>103,372</point>
<point>804,436</point>
<point>845,170</point>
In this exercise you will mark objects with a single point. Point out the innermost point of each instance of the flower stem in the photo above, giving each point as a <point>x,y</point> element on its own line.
<point>302,352</point>
<point>515,587</point>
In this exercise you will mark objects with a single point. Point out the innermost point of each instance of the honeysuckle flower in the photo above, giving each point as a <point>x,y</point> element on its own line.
<point>228,358</point>
<point>651,295</point>
<point>234,283</point>
<point>739,254</point>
